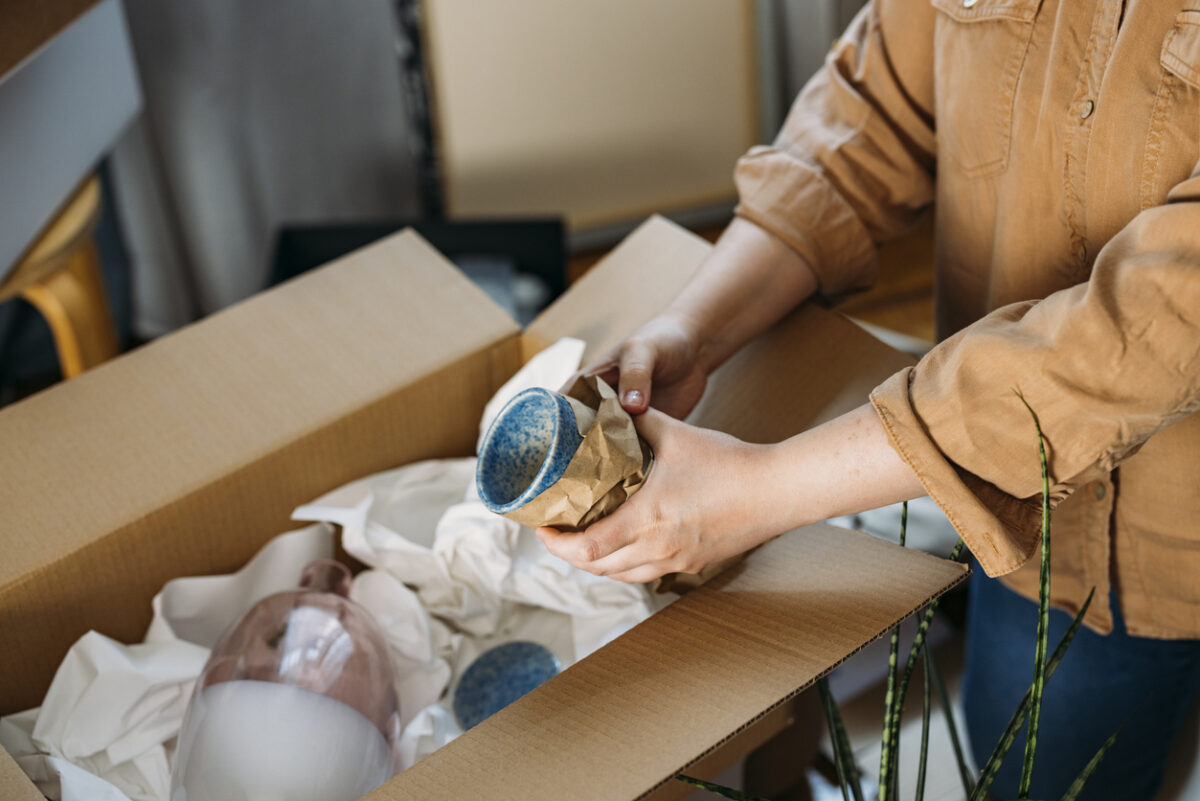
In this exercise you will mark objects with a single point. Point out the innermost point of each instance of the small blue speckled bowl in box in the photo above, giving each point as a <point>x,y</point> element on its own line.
<point>500,676</point>
<point>526,450</point>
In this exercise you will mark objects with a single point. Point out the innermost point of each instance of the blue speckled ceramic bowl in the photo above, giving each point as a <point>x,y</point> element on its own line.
<point>500,676</point>
<point>526,450</point>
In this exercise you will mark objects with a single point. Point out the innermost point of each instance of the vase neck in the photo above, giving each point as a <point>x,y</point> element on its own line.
<point>326,575</point>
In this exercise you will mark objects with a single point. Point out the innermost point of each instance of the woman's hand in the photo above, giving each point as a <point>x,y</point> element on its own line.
<point>702,502</point>
<point>658,366</point>
<point>746,284</point>
<point>710,496</point>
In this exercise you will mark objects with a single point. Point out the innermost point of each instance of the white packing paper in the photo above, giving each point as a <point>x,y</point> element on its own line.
<point>112,709</point>
<point>447,580</point>
<point>489,579</point>
<point>421,646</point>
<point>56,778</point>
<point>199,608</point>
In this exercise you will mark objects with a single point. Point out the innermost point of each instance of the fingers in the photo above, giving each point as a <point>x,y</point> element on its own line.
<point>630,369</point>
<point>619,561</point>
<point>636,369</point>
<point>653,425</point>
<point>584,549</point>
<point>627,563</point>
<point>641,574</point>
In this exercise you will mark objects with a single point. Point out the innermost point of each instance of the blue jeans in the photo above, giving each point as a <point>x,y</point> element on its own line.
<point>1102,682</point>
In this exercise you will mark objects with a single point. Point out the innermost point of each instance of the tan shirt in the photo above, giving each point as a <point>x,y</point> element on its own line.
<point>1057,141</point>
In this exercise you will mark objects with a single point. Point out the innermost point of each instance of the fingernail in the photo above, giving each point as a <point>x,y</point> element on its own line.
<point>633,398</point>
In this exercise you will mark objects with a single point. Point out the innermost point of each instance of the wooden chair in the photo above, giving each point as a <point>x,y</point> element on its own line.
<point>60,275</point>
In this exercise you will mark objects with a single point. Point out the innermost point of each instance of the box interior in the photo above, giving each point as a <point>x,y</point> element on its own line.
<point>630,716</point>
<point>185,456</point>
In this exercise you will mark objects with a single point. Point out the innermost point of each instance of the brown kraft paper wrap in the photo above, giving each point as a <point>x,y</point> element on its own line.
<point>611,464</point>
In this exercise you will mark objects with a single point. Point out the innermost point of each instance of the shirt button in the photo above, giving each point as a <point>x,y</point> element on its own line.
<point>1087,109</point>
<point>1100,490</point>
<point>1081,252</point>
<point>969,3</point>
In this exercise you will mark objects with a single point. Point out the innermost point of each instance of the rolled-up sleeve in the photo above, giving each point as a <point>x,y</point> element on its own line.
<point>853,164</point>
<point>1105,365</point>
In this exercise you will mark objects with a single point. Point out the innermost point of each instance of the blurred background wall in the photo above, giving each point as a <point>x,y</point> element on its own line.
<point>260,118</point>
<point>255,114</point>
<point>258,114</point>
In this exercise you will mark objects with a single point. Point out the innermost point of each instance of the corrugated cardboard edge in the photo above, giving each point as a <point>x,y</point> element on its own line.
<point>624,721</point>
<point>811,682</point>
<point>14,784</point>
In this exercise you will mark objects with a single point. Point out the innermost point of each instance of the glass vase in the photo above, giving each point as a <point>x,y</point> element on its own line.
<point>296,702</point>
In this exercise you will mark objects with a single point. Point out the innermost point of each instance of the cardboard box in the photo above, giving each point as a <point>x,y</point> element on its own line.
<point>185,456</point>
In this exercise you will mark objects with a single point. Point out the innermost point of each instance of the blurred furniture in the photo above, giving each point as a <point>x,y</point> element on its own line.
<point>536,246</point>
<point>599,112</point>
<point>67,90</point>
<point>520,263</point>
<point>257,115</point>
<point>60,275</point>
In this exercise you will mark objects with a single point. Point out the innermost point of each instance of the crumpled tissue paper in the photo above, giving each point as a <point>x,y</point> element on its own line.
<point>447,580</point>
<point>104,727</point>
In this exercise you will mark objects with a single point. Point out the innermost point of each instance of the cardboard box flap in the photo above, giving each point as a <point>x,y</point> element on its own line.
<point>118,442</point>
<point>215,433</point>
<point>630,716</point>
<point>14,784</point>
<point>812,366</point>
<point>625,289</point>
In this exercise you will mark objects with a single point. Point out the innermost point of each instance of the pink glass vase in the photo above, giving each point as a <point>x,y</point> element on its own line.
<point>297,702</point>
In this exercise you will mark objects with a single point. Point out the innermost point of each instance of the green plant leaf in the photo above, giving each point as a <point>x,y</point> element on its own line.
<point>838,757</point>
<point>992,767</point>
<point>1043,625</point>
<point>924,759</point>
<point>910,665</point>
<point>1077,786</point>
<point>852,770</point>
<point>843,760</point>
<point>939,686</point>
<point>889,750</point>
<point>719,789</point>
<point>923,631</point>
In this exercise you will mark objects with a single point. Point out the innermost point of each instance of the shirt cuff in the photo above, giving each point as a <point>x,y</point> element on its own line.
<point>792,200</point>
<point>1002,531</point>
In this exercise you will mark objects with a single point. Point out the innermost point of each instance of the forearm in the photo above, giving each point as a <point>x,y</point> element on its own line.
<point>711,496</point>
<point>749,281</point>
<point>844,466</point>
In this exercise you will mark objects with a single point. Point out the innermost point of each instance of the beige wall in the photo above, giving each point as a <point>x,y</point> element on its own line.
<point>600,110</point>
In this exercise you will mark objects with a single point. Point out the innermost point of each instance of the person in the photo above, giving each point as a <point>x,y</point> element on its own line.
<point>1056,143</point>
